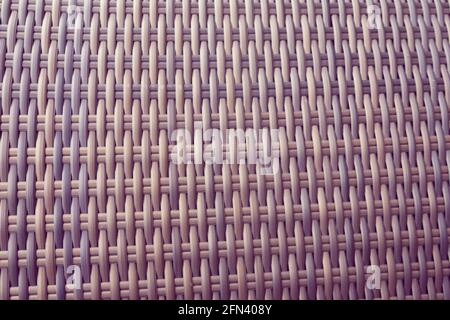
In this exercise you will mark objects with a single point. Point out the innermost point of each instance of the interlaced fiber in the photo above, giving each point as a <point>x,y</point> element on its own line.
<point>92,92</point>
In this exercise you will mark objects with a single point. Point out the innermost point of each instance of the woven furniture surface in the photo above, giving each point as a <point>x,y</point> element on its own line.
<point>356,204</point>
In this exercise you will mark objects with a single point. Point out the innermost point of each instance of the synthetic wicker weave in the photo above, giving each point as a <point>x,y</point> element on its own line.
<point>358,94</point>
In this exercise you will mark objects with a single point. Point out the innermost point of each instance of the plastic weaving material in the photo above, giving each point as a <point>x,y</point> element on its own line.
<point>94,206</point>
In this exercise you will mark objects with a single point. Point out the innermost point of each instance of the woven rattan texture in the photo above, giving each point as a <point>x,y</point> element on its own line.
<point>86,180</point>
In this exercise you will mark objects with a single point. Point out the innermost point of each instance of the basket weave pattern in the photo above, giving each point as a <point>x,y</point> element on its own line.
<point>92,91</point>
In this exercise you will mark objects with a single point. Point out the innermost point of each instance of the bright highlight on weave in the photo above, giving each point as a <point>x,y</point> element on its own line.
<point>350,201</point>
